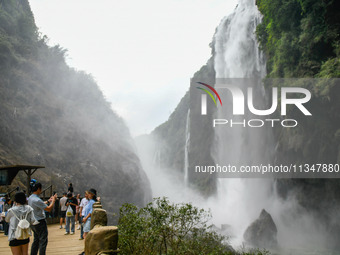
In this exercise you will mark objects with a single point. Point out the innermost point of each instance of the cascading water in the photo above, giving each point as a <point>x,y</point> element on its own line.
<point>237,53</point>
<point>237,56</point>
<point>186,149</point>
<point>240,201</point>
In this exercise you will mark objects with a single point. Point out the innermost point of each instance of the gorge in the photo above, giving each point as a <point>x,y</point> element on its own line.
<point>298,206</point>
<point>54,115</point>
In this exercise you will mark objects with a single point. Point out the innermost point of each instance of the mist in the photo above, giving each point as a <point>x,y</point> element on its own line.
<point>237,202</point>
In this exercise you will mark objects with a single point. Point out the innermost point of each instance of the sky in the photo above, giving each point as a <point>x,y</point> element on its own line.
<point>141,53</point>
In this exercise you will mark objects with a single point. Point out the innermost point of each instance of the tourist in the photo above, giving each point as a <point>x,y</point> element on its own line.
<point>77,210</point>
<point>72,203</point>
<point>2,213</point>
<point>63,208</point>
<point>70,188</point>
<point>82,205</point>
<point>39,230</point>
<point>55,211</point>
<point>6,207</point>
<point>32,183</point>
<point>92,196</point>
<point>19,211</point>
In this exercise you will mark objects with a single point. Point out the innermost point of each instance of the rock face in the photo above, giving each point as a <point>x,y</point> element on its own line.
<point>169,139</point>
<point>262,233</point>
<point>56,116</point>
<point>102,240</point>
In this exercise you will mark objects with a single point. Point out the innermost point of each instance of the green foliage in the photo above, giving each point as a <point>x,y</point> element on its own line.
<point>301,39</point>
<point>331,68</point>
<point>173,229</point>
<point>298,36</point>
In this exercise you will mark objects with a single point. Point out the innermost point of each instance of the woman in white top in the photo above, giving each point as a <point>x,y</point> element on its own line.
<point>19,211</point>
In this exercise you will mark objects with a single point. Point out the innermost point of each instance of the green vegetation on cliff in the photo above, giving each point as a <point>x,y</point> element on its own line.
<point>301,38</point>
<point>54,115</point>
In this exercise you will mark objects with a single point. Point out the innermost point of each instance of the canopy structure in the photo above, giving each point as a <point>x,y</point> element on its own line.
<point>8,173</point>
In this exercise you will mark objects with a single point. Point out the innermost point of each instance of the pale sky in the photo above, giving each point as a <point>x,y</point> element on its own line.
<point>141,53</point>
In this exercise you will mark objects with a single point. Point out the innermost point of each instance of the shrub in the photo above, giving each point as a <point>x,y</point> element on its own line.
<point>164,228</point>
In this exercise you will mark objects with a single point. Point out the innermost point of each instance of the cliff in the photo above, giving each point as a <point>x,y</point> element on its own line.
<point>54,115</point>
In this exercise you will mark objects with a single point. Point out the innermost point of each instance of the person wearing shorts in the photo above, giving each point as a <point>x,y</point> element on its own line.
<point>19,211</point>
<point>92,196</point>
<point>82,205</point>
<point>63,209</point>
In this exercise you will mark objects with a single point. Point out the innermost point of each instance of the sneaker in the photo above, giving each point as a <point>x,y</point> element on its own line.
<point>81,238</point>
<point>61,227</point>
<point>66,233</point>
<point>78,228</point>
<point>72,233</point>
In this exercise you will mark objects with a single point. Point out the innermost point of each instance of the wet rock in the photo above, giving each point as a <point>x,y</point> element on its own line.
<point>262,233</point>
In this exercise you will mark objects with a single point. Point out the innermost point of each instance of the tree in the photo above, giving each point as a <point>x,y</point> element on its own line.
<point>164,228</point>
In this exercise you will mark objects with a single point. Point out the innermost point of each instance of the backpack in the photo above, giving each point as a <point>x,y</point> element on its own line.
<point>22,230</point>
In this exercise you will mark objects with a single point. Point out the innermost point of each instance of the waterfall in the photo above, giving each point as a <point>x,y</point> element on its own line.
<point>238,202</point>
<point>237,55</point>
<point>186,149</point>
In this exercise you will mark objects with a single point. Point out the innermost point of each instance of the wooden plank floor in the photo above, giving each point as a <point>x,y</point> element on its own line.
<point>58,243</point>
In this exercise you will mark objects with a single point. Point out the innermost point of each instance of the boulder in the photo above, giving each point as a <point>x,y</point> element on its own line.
<point>102,240</point>
<point>97,205</point>
<point>98,217</point>
<point>262,233</point>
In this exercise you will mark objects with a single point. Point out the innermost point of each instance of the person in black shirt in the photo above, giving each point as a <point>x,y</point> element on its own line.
<point>72,203</point>
<point>70,188</point>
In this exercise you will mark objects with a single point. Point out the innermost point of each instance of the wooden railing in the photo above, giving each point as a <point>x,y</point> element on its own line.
<point>11,191</point>
<point>49,188</point>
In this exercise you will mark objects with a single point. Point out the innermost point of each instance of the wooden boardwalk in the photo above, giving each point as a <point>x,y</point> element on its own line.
<point>58,243</point>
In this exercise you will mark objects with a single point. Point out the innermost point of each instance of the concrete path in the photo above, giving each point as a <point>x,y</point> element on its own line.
<point>58,243</point>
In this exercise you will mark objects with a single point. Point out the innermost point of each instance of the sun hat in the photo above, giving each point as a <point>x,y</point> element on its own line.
<point>93,191</point>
